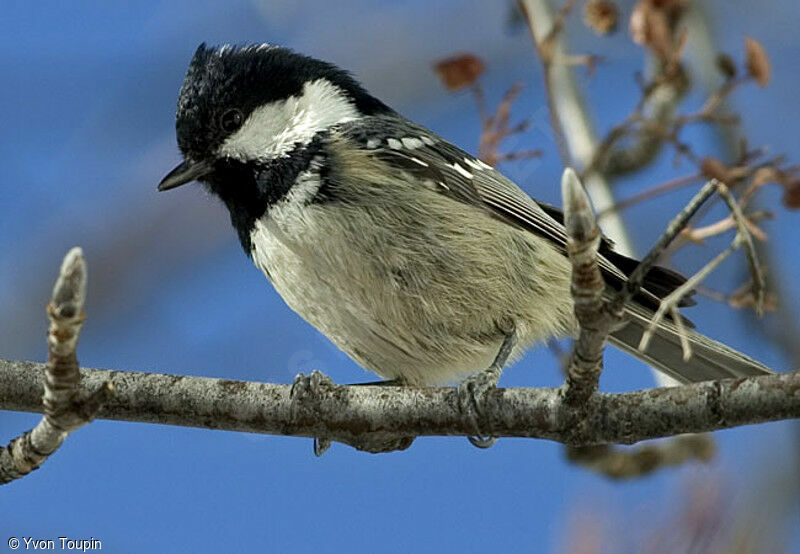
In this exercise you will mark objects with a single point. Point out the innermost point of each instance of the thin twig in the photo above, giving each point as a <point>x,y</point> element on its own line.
<point>675,296</point>
<point>756,273</point>
<point>588,286</point>
<point>64,410</point>
<point>649,194</point>
<point>636,279</point>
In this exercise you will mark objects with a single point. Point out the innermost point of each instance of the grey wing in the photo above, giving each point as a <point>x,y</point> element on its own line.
<point>463,177</point>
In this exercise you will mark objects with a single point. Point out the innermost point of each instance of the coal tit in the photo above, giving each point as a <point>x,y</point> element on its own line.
<point>414,257</point>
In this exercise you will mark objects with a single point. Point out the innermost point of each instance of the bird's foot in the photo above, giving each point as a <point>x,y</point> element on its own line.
<point>474,390</point>
<point>313,384</point>
<point>309,386</point>
<point>472,393</point>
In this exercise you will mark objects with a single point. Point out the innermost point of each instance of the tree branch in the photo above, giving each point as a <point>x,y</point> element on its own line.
<point>588,287</point>
<point>347,413</point>
<point>65,410</point>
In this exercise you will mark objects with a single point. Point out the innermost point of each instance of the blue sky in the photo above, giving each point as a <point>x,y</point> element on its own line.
<point>86,132</point>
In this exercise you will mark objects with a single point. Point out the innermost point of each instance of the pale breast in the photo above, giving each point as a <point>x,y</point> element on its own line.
<point>410,298</point>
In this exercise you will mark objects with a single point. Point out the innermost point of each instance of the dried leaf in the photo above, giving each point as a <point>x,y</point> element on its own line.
<point>668,4</point>
<point>791,193</point>
<point>638,23</point>
<point>712,168</point>
<point>758,65</point>
<point>601,16</point>
<point>459,71</point>
<point>744,298</point>
<point>649,27</point>
<point>764,175</point>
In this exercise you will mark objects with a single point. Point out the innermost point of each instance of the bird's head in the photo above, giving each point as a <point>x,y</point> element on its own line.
<point>245,106</point>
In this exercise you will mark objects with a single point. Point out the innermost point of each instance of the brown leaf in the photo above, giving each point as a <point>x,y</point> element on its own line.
<point>638,23</point>
<point>758,65</point>
<point>601,16</point>
<point>744,298</point>
<point>764,175</point>
<point>712,168</point>
<point>649,27</point>
<point>791,193</point>
<point>459,71</point>
<point>668,4</point>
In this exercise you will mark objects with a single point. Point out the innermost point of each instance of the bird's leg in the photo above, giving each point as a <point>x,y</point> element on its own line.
<point>473,390</point>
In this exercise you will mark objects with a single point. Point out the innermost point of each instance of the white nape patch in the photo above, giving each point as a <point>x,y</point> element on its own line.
<point>477,164</point>
<point>462,171</point>
<point>273,130</point>
<point>373,143</point>
<point>394,144</point>
<point>427,140</point>
<point>411,143</point>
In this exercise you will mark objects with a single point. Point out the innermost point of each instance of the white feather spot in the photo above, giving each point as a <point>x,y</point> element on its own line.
<point>394,144</point>
<point>411,143</point>
<point>476,164</point>
<point>372,144</point>
<point>427,140</point>
<point>420,162</point>
<point>462,171</point>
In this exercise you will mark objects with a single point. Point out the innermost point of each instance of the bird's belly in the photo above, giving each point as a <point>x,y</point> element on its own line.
<point>403,308</point>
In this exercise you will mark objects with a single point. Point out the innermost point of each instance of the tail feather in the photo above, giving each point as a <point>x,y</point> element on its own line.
<point>710,359</point>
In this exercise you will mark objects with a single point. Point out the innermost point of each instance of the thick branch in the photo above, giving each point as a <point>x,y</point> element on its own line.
<point>346,413</point>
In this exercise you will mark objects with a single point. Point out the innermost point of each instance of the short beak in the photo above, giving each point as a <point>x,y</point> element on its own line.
<point>186,172</point>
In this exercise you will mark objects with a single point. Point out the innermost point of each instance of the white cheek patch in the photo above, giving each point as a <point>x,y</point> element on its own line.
<point>273,130</point>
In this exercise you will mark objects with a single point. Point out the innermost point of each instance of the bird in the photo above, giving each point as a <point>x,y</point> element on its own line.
<point>420,261</point>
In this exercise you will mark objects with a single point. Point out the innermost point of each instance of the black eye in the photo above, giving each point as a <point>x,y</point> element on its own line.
<point>231,120</point>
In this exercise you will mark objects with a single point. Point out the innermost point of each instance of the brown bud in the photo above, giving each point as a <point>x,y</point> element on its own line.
<point>601,16</point>
<point>726,65</point>
<point>459,71</point>
<point>758,65</point>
